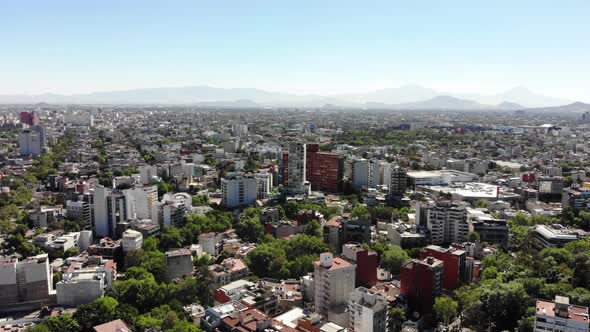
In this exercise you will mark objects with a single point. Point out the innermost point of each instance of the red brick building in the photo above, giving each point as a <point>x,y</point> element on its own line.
<point>324,170</point>
<point>454,264</point>
<point>421,282</point>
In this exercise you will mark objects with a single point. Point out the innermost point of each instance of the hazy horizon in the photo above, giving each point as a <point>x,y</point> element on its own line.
<point>329,48</point>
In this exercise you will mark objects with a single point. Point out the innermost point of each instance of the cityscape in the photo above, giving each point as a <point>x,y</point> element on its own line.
<point>234,207</point>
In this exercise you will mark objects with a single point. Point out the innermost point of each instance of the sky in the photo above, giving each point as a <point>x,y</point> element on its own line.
<point>318,47</point>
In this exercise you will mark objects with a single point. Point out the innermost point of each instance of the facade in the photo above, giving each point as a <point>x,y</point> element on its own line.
<point>211,243</point>
<point>142,203</point>
<point>456,270</point>
<point>110,208</point>
<point>83,286</point>
<point>367,311</point>
<point>29,143</point>
<point>238,190</point>
<point>334,280</point>
<point>362,174</point>
<point>80,210</point>
<point>26,283</point>
<point>398,181</point>
<point>447,223</point>
<point>324,170</point>
<point>263,184</point>
<point>366,262</point>
<point>132,240</point>
<point>296,169</point>
<point>179,263</point>
<point>559,315</point>
<point>422,282</point>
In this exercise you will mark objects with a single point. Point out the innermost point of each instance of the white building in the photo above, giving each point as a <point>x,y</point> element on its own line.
<point>83,286</point>
<point>367,311</point>
<point>132,240</point>
<point>142,203</point>
<point>26,283</point>
<point>447,223</point>
<point>263,184</point>
<point>560,316</point>
<point>362,174</point>
<point>110,208</point>
<point>148,174</point>
<point>30,143</point>
<point>211,243</point>
<point>238,190</point>
<point>296,177</point>
<point>173,208</point>
<point>334,280</point>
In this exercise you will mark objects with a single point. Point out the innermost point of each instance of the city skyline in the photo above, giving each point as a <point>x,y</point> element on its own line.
<point>328,49</point>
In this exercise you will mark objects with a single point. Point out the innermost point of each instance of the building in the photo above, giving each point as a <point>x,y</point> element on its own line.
<point>334,280</point>
<point>230,269</point>
<point>26,284</point>
<point>559,315</point>
<point>457,270</point>
<point>148,174</point>
<point>132,240</point>
<point>29,143</point>
<point>367,311</point>
<point>324,170</point>
<point>82,286</point>
<point>212,243</point>
<point>263,184</point>
<point>179,263</point>
<point>362,174</point>
<point>80,211</point>
<point>437,178</point>
<point>367,263</point>
<point>422,282</point>
<point>296,169</point>
<point>447,222</point>
<point>173,208</point>
<point>398,181</point>
<point>550,185</point>
<point>113,326</point>
<point>142,202</point>
<point>238,190</point>
<point>110,208</point>
<point>547,236</point>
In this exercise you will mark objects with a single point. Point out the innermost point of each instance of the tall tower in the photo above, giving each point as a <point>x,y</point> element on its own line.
<point>296,181</point>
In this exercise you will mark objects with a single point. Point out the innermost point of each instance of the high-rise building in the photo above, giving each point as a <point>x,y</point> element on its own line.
<point>447,222</point>
<point>366,262</point>
<point>110,208</point>
<point>132,240</point>
<point>238,190</point>
<point>324,170</point>
<point>334,280</point>
<point>30,143</point>
<point>560,315</point>
<point>296,174</point>
<point>367,311</point>
<point>30,119</point>
<point>361,174</point>
<point>398,181</point>
<point>142,202</point>
<point>263,183</point>
<point>422,282</point>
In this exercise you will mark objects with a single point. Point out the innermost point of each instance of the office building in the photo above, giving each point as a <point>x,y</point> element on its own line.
<point>549,236</point>
<point>367,311</point>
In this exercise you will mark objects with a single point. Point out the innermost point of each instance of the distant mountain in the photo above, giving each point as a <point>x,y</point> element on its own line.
<point>506,105</point>
<point>407,96</point>
<point>573,107</point>
<point>519,95</point>
<point>442,102</point>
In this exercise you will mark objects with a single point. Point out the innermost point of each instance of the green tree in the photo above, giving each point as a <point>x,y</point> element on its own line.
<point>396,317</point>
<point>98,312</point>
<point>393,258</point>
<point>445,309</point>
<point>250,229</point>
<point>62,323</point>
<point>473,237</point>
<point>313,228</point>
<point>170,238</point>
<point>184,326</point>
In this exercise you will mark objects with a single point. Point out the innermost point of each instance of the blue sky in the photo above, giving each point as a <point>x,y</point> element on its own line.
<point>324,47</point>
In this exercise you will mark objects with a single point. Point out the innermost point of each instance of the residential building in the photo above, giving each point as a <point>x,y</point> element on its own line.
<point>367,311</point>
<point>82,286</point>
<point>29,143</point>
<point>334,280</point>
<point>296,169</point>
<point>367,263</point>
<point>148,174</point>
<point>238,190</point>
<point>131,240</point>
<point>230,269</point>
<point>110,208</point>
<point>324,170</point>
<point>212,243</point>
<point>422,282</point>
<point>179,263</point>
<point>456,267</point>
<point>560,315</point>
<point>447,222</point>
<point>26,284</point>
<point>142,202</point>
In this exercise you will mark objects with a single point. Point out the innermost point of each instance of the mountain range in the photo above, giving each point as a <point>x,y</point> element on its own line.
<point>404,97</point>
